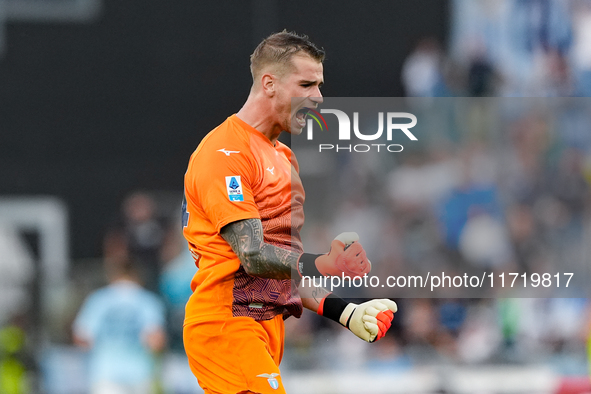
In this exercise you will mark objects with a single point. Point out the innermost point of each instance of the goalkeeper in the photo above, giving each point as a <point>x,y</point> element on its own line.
<point>242,216</point>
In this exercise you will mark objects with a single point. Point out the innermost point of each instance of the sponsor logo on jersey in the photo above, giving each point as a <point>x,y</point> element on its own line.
<point>270,169</point>
<point>270,379</point>
<point>234,188</point>
<point>227,152</point>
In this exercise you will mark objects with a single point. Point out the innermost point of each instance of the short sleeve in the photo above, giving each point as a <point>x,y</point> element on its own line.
<point>222,186</point>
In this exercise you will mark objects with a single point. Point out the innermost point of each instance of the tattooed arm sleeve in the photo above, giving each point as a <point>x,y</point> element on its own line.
<point>261,259</point>
<point>257,257</point>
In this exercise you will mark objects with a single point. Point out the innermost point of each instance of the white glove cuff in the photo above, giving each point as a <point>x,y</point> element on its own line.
<point>349,309</point>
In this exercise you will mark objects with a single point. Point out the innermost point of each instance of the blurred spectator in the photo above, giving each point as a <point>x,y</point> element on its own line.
<point>556,79</point>
<point>480,337</point>
<point>140,236</point>
<point>569,186</point>
<point>481,77</point>
<point>463,204</point>
<point>420,182</point>
<point>484,242</point>
<point>421,71</point>
<point>581,53</point>
<point>522,168</point>
<point>123,326</point>
<point>528,247</point>
<point>421,322</point>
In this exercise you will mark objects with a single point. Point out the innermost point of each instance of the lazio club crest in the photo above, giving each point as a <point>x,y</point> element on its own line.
<point>271,379</point>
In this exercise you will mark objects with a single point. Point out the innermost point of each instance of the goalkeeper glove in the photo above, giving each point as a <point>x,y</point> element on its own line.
<point>346,256</point>
<point>369,321</point>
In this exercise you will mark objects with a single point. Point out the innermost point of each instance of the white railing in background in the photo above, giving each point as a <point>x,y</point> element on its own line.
<point>457,380</point>
<point>47,218</point>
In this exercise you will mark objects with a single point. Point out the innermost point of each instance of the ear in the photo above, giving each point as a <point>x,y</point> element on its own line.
<point>268,83</point>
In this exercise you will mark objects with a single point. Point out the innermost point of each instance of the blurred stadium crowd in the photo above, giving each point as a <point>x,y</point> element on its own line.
<point>506,194</point>
<point>492,184</point>
<point>524,48</point>
<point>499,184</point>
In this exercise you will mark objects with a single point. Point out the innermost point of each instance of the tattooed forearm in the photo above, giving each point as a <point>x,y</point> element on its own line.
<point>257,257</point>
<point>261,259</point>
<point>312,296</point>
<point>318,293</point>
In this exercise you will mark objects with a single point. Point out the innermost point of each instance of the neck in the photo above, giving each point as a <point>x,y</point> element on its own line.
<point>258,112</point>
<point>124,279</point>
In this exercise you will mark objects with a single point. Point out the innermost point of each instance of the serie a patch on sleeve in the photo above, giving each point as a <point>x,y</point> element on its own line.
<point>234,188</point>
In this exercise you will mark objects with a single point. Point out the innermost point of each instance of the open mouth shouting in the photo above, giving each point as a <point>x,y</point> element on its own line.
<point>300,116</point>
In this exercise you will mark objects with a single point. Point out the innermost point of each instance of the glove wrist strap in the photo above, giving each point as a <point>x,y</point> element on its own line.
<point>307,265</point>
<point>333,307</point>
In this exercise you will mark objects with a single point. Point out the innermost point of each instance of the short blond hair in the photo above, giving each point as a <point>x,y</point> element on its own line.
<point>279,48</point>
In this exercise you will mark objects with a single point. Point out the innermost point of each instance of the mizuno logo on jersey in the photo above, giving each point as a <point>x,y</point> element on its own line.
<point>271,379</point>
<point>228,152</point>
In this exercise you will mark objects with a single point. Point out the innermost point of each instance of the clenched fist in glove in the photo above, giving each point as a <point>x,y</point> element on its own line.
<point>346,257</point>
<point>369,321</point>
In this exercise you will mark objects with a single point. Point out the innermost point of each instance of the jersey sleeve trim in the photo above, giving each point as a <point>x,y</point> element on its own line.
<point>234,218</point>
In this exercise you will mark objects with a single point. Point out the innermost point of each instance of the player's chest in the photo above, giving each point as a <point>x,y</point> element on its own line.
<point>274,173</point>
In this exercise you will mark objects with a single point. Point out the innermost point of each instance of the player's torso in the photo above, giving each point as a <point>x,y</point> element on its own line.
<point>264,175</point>
<point>278,195</point>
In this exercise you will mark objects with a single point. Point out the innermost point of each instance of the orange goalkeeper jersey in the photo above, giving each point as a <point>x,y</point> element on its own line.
<point>237,173</point>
